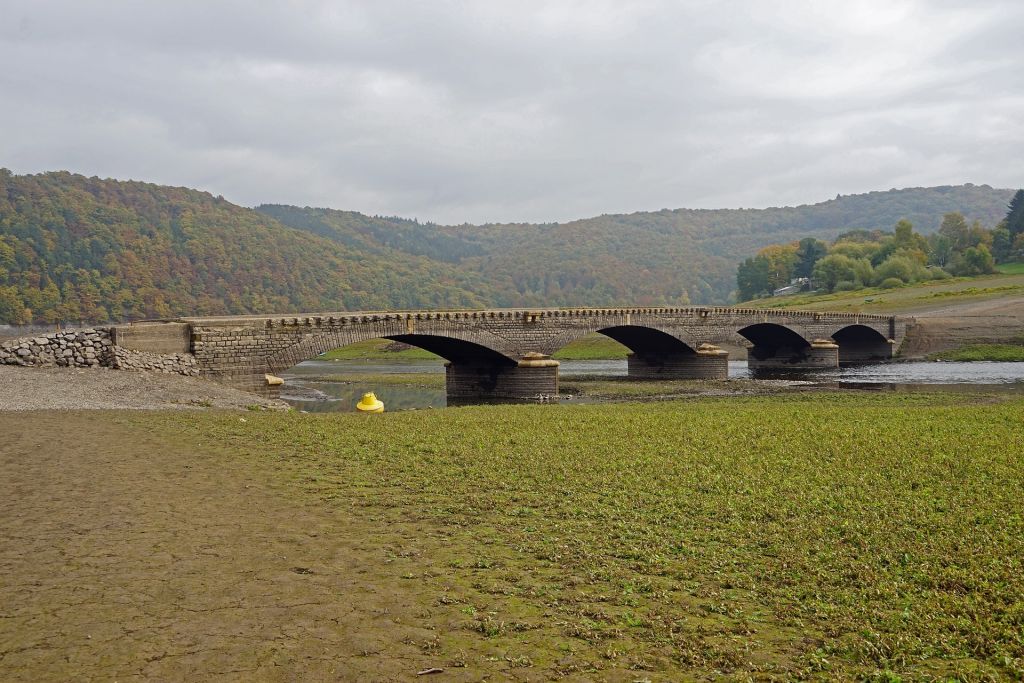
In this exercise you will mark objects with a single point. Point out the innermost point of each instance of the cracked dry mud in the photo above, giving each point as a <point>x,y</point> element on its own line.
<point>125,557</point>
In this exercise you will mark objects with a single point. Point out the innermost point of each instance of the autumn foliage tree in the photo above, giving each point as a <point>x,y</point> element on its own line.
<point>862,258</point>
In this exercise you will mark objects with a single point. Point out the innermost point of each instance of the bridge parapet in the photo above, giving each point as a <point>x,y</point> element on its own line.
<point>528,315</point>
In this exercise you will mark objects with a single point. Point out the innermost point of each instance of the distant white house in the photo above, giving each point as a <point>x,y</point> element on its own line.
<point>795,285</point>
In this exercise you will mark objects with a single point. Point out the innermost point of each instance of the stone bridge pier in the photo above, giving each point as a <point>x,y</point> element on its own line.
<point>506,354</point>
<point>529,377</point>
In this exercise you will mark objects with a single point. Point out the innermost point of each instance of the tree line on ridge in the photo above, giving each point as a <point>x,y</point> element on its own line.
<point>862,258</point>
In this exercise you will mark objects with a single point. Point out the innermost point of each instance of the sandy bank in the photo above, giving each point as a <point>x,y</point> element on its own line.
<point>104,389</point>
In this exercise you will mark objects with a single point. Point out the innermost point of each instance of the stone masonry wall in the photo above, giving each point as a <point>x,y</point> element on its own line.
<point>241,350</point>
<point>90,348</point>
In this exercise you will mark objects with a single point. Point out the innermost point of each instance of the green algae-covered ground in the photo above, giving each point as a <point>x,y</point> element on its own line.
<point>852,536</point>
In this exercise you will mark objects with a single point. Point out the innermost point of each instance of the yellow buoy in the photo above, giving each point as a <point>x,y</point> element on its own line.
<point>369,403</point>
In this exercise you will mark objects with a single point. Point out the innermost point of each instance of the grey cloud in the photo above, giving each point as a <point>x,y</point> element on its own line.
<point>458,111</point>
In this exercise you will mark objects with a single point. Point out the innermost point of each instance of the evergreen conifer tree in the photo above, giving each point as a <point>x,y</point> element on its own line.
<point>1015,216</point>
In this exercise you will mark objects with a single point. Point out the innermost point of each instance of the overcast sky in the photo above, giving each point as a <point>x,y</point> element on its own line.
<point>507,111</point>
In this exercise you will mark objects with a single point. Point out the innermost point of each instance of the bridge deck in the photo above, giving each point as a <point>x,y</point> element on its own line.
<point>458,313</point>
<point>494,352</point>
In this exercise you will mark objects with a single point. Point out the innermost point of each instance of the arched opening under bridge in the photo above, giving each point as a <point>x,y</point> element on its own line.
<point>862,344</point>
<point>475,372</point>
<point>777,347</point>
<point>472,372</point>
<point>655,354</point>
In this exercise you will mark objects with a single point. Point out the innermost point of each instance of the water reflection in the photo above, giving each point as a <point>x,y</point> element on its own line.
<point>306,389</point>
<point>322,386</point>
<point>881,373</point>
<point>342,398</point>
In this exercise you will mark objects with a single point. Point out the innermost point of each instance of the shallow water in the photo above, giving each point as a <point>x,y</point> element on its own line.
<point>304,393</point>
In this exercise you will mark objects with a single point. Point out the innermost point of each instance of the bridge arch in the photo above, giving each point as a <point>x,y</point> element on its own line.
<point>773,336</point>
<point>779,347</point>
<point>474,371</point>
<point>637,338</point>
<point>656,353</point>
<point>862,344</point>
<point>646,340</point>
<point>450,346</point>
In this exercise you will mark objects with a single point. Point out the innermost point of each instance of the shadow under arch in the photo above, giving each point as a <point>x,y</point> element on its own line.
<point>658,355</point>
<point>862,344</point>
<point>473,372</point>
<point>455,350</point>
<point>646,340</point>
<point>768,336</point>
<point>778,347</point>
<point>451,348</point>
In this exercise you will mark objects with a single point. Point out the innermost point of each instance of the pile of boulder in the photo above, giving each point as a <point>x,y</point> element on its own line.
<point>90,348</point>
<point>78,348</point>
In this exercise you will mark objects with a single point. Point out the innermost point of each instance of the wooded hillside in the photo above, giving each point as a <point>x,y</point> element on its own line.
<point>75,248</point>
<point>644,258</point>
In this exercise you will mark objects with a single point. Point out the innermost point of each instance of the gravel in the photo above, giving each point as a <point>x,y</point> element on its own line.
<point>104,389</point>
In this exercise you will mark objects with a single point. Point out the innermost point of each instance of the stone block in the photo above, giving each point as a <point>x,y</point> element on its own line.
<point>162,338</point>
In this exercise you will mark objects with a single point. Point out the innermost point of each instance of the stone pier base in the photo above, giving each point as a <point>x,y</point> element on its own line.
<point>532,378</point>
<point>709,362</point>
<point>821,354</point>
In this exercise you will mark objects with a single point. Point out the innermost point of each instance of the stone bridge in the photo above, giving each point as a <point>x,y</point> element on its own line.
<point>506,353</point>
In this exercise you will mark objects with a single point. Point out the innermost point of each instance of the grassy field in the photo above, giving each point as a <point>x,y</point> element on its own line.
<point>1012,268</point>
<point>983,352</point>
<point>592,347</point>
<point>867,536</point>
<point>909,299</point>
<point>380,349</point>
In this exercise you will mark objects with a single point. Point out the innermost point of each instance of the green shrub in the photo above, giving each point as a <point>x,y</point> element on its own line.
<point>891,283</point>
<point>974,261</point>
<point>899,267</point>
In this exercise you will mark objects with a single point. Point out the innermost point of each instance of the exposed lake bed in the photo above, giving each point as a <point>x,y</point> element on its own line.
<point>713,524</point>
<point>755,536</point>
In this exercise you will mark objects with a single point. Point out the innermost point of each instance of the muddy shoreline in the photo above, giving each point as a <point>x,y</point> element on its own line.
<point>24,389</point>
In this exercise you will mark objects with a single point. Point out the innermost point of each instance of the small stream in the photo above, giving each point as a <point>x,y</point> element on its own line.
<point>305,390</point>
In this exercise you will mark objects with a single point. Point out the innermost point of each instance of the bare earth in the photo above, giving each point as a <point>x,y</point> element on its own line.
<point>103,389</point>
<point>980,322</point>
<point>124,556</point>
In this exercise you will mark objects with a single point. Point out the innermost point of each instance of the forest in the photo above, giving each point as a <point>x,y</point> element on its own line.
<point>667,257</point>
<point>82,249</point>
<point>74,248</point>
<point>865,258</point>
